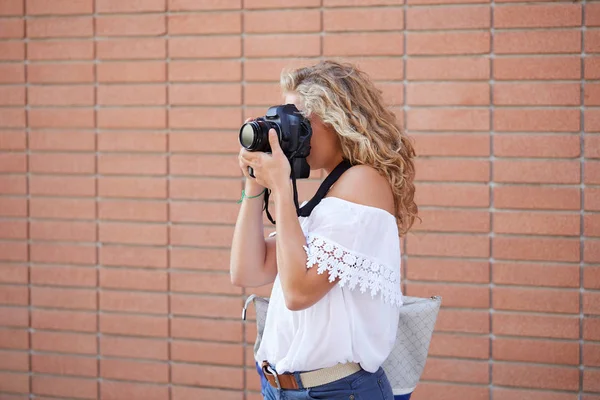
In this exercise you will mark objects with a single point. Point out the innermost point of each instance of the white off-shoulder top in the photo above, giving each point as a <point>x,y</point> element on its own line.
<point>357,320</point>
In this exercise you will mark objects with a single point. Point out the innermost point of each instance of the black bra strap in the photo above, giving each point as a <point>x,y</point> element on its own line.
<point>324,188</point>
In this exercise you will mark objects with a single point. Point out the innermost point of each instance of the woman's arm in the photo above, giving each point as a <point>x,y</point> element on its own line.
<point>302,286</point>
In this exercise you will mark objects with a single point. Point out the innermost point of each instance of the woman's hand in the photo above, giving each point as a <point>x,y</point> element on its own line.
<point>271,170</point>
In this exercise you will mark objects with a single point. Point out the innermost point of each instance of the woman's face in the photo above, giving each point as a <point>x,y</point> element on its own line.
<point>325,147</point>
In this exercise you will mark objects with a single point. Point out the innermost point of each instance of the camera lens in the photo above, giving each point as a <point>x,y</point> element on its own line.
<point>254,135</point>
<point>248,134</point>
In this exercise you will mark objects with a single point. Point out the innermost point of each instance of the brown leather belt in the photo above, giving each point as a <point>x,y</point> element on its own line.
<point>309,379</point>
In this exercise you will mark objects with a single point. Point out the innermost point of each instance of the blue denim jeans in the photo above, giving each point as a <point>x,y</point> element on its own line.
<point>361,385</point>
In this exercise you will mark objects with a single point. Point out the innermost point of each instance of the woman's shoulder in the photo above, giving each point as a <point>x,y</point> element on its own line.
<point>364,185</point>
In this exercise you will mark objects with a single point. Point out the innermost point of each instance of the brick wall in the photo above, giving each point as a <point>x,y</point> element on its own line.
<point>118,183</point>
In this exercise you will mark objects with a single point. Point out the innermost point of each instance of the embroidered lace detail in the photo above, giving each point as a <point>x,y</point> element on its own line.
<point>354,270</point>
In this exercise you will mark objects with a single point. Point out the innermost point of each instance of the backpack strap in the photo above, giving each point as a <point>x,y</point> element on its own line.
<point>342,167</point>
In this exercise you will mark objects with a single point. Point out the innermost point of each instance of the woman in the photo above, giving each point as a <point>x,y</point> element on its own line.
<point>333,310</point>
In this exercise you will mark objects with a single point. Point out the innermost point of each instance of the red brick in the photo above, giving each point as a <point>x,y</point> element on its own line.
<point>557,94</point>
<point>42,7</point>
<point>448,94</point>
<point>212,259</point>
<point>63,253</point>
<point>204,165</point>
<point>592,40</point>
<point>448,43</point>
<point>12,51</point>
<point>62,163</point>
<point>15,383</point>
<point>590,328</point>
<point>359,44</point>
<point>127,164</point>
<point>60,73</point>
<point>538,16</point>
<point>269,70</point>
<point>186,235</point>
<point>71,231</point>
<point>61,95</point>
<point>199,306</point>
<point>11,28</point>
<point>146,303</point>
<point>198,142</point>
<point>592,94</point>
<point>205,117</point>
<point>13,273</point>
<point>537,42</point>
<point>449,245</point>
<point>302,45</point>
<point>343,20</point>
<point>205,94</point>
<point>12,7</point>
<point>452,170</point>
<point>468,371</point>
<point>118,390</point>
<point>217,283</point>
<point>438,18</point>
<point>591,224</point>
<point>14,295</point>
<point>132,141</point>
<point>132,118</point>
<point>204,212</point>
<point>592,67</point>
<point>455,295</point>
<point>132,95</point>
<point>62,185</point>
<point>205,23</point>
<point>592,14</point>
<point>534,376</point>
<point>540,249</point>
<point>536,351</point>
<point>446,270</point>
<point>60,27</point>
<point>443,194</point>
<point>12,73</point>
<point>590,380</point>
<point>14,316</point>
<point>133,279</point>
<point>61,118</point>
<point>524,274</point>
<point>591,303</point>
<point>207,353</point>
<point>463,346</point>
<point>544,146</point>
<point>13,163</point>
<point>135,71</point>
<point>61,50</point>
<point>206,329</point>
<point>453,220</point>
<point>134,348</point>
<point>62,208</point>
<point>117,6</point>
<point>448,119</point>
<point>191,5</point>
<point>591,118</point>
<point>133,256</point>
<point>592,199</point>
<point>128,49</point>
<point>429,390</point>
<point>542,68</point>
<point>592,172</point>
<point>12,118</point>
<point>134,325</point>
<point>520,120</point>
<point>63,276</point>
<point>591,277</point>
<point>591,354</point>
<point>64,365</point>
<point>64,320</point>
<point>134,370</point>
<point>207,47</point>
<point>131,25</point>
<point>537,223</point>
<point>532,197</point>
<point>452,144</point>
<point>13,184</point>
<point>13,207</point>
<point>550,326</point>
<point>15,339</point>
<point>63,386</point>
<point>200,375</point>
<point>262,94</point>
<point>13,140</point>
<point>132,233</point>
<point>206,71</point>
<point>132,210</point>
<point>538,300</point>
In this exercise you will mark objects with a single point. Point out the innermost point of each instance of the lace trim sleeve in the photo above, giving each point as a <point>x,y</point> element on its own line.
<point>354,270</point>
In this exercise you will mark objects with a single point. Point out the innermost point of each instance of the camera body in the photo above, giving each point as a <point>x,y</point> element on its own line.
<point>293,131</point>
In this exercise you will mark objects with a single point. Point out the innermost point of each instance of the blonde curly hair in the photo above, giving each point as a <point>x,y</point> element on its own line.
<point>346,99</point>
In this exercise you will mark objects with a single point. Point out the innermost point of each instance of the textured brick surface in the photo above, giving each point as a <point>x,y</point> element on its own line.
<point>118,187</point>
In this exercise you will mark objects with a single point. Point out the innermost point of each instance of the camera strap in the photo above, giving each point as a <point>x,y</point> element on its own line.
<point>316,199</point>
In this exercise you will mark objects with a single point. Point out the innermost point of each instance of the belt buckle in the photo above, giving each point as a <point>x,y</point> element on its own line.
<point>267,369</point>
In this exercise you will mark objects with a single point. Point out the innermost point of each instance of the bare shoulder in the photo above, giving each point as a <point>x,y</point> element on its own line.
<point>364,185</point>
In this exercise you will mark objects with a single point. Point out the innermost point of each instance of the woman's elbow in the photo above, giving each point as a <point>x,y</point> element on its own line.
<point>297,301</point>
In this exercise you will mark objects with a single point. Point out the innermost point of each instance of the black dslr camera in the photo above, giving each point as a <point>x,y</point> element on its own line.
<point>294,133</point>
